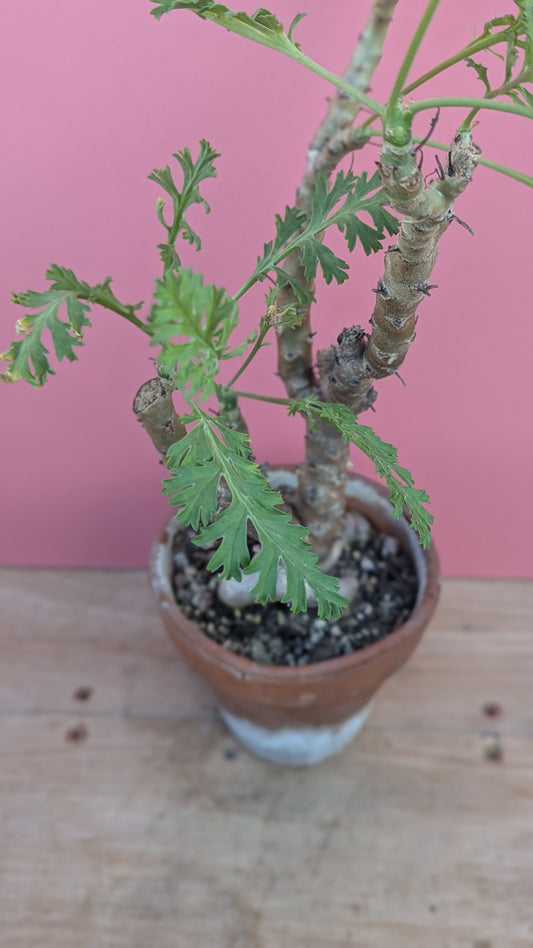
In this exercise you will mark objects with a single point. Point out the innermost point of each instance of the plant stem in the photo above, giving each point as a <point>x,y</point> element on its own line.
<point>521,176</point>
<point>245,287</point>
<point>333,138</point>
<point>326,149</point>
<point>470,102</point>
<point>155,410</point>
<point>414,46</point>
<point>321,478</point>
<point>502,169</point>
<point>504,89</point>
<point>263,398</point>
<point>341,84</point>
<point>475,47</point>
<point>427,212</point>
<point>264,327</point>
<point>124,311</point>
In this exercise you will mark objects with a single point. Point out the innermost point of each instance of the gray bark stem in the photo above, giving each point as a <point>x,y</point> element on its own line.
<point>427,213</point>
<point>348,369</point>
<point>155,410</point>
<point>322,476</point>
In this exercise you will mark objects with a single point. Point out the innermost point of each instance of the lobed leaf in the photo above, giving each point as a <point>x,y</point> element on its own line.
<point>211,452</point>
<point>339,205</point>
<point>28,357</point>
<point>481,71</point>
<point>262,27</point>
<point>101,293</point>
<point>403,494</point>
<point>192,323</point>
<point>193,172</point>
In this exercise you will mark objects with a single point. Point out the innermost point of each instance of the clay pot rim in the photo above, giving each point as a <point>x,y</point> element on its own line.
<point>245,668</point>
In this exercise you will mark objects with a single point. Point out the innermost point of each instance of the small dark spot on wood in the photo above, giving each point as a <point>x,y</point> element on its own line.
<point>432,908</point>
<point>491,709</point>
<point>230,752</point>
<point>83,693</point>
<point>77,734</point>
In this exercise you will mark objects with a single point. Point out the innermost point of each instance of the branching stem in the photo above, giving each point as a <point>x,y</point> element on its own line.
<point>339,83</point>
<point>470,102</point>
<point>521,176</point>
<point>504,89</point>
<point>263,329</point>
<point>263,398</point>
<point>125,311</point>
<point>414,46</point>
<point>477,46</point>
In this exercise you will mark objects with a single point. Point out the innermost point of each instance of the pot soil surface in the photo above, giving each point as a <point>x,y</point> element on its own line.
<point>386,588</point>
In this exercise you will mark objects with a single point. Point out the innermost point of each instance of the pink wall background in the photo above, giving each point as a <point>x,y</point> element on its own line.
<point>94,98</point>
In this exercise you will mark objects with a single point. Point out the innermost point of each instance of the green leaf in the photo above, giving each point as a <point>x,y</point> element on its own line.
<point>517,32</point>
<point>525,24</point>
<point>289,316</point>
<point>101,293</point>
<point>527,96</point>
<point>64,279</point>
<point>403,493</point>
<point>314,254</point>
<point>209,452</point>
<point>303,293</point>
<point>193,173</point>
<point>196,495</point>
<point>339,205</point>
<point>292,27</point>
<point>286,227</point>
<point>204,316</point>
<point>28,357</point>
<point>481,71</point>
<point>363,195</point>
<point>262,27</point>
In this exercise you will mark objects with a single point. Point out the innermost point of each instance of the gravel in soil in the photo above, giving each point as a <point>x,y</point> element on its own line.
<point>385,596</point>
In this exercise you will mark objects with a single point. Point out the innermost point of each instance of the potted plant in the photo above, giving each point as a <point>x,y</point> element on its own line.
<point>253,549</point>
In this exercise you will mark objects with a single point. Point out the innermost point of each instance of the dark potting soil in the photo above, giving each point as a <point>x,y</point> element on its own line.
<point>386,593</point>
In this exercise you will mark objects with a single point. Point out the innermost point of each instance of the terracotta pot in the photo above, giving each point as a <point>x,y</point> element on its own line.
<point>300,715</point>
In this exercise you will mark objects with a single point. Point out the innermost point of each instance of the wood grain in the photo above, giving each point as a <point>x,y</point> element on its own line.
<point>131,820</point>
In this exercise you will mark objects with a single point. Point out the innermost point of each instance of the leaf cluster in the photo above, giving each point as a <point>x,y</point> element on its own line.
<point>403,494</point>
<point>28,356</point>
<point>263,26</point>
<point>194,172</point>
<point>341,206</point>
<point>211,453</point>
<point>518,31</point>
<point>192,323</point>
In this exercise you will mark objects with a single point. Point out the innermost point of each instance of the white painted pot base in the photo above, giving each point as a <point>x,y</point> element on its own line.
<point>297,747</point>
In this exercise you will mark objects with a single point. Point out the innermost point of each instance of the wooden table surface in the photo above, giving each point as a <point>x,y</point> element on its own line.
<point>130,819</point>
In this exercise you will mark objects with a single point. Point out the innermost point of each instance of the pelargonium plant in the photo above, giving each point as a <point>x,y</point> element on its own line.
<point>389,207</point>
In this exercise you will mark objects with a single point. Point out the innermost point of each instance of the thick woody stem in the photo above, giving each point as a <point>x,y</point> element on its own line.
<point>333,140</point>
<point>344,373</point>
<point>322,476</point>
<point>229,411</point>
<point>427,213</point>
<point>347,370</point>
<point>321,487</point>
<point>155,410</point>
